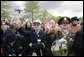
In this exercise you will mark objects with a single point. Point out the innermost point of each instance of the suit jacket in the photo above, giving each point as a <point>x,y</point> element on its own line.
<point>78,39</point>
<point>34,37</point>
<point>6,35</point>
<point>25,33</point>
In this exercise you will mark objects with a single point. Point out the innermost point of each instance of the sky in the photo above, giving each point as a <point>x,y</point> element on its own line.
<point>59,8</point>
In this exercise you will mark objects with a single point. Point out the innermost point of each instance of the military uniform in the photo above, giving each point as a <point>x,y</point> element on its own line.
<point>60,35</point>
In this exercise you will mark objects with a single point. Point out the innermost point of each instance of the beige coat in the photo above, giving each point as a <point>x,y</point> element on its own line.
<point>74,29</point>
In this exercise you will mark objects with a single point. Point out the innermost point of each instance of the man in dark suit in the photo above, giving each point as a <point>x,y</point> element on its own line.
<point>20,45</point>
<point>20,34</point>
<point>7,37</point>
<point>22,39</point>
<point>37,43</point>
<point>78,43</point>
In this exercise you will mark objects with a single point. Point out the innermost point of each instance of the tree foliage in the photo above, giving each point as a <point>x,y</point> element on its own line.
<point>5,5</point>
<point>31,7</point>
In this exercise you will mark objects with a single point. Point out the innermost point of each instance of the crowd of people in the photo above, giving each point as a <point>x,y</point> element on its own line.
<point>22,39</point>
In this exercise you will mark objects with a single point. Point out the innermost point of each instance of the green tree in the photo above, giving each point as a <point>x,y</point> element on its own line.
<point>5,5</point>
<point>45,13</point>
<point>81,18</point>
<point>57,18</point>
<point>31,7</point>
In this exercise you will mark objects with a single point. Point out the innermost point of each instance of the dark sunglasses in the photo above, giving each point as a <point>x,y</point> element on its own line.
<point>36,24</point>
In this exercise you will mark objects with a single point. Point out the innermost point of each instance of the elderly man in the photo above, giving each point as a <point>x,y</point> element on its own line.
<point>37,43</point>
<point>74,27</point>
<point>60,35</point>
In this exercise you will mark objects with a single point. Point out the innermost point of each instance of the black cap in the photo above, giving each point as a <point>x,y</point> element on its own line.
<point>64,20</point>
<point>74,18</point>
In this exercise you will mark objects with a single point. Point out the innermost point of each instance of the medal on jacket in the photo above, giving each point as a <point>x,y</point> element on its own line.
<point>38,40</point>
